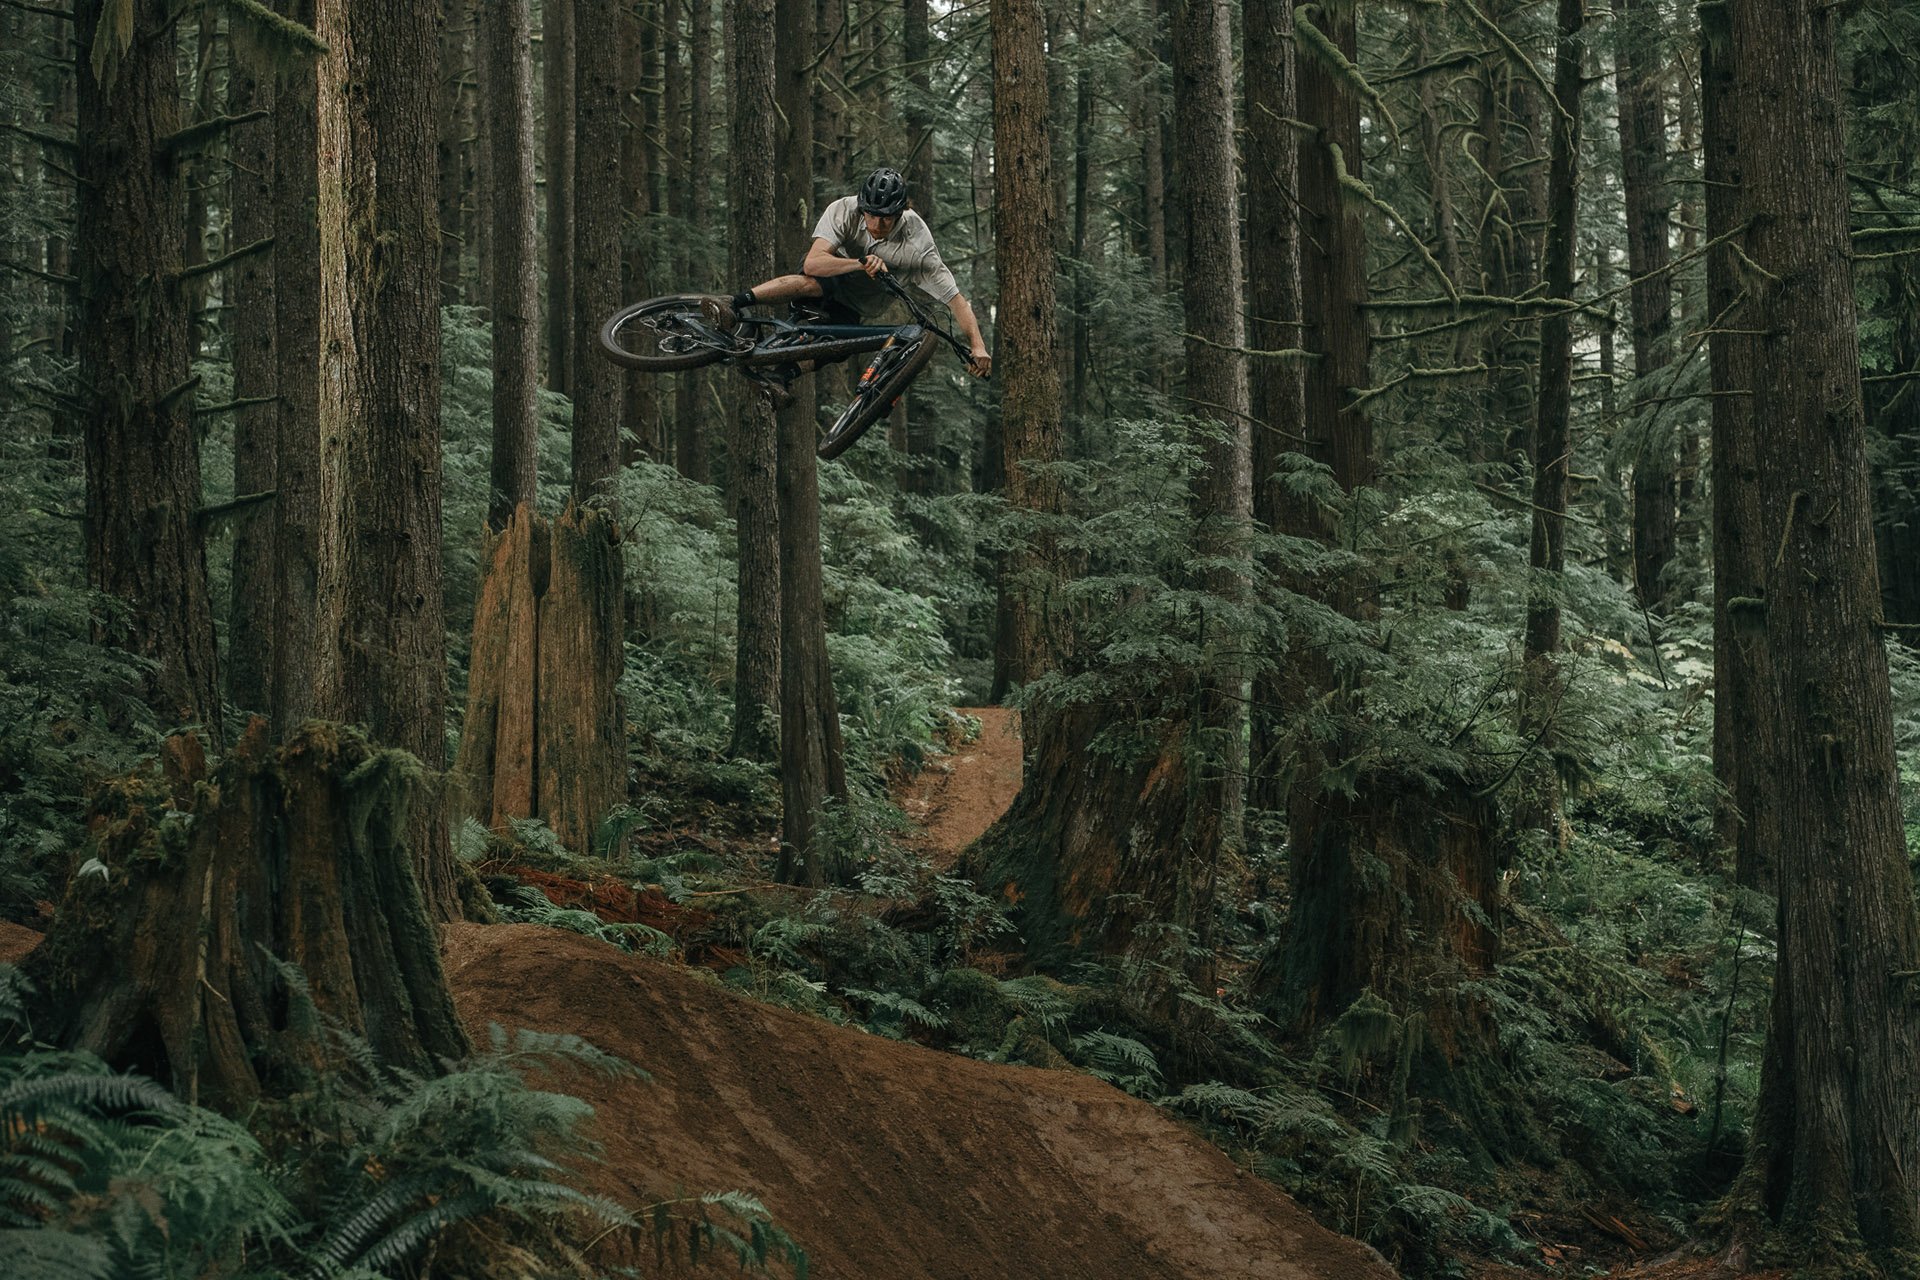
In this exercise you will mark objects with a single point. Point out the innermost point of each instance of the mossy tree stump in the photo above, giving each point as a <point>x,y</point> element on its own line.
<point>544,734</point>
<point>167,953</point>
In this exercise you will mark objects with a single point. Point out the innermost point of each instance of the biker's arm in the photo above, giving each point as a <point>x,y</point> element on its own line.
<point>823,261</point>
<point>970,327</point>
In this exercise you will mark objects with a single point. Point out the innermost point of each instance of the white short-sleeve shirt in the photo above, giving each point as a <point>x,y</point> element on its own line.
<point>908,251</point>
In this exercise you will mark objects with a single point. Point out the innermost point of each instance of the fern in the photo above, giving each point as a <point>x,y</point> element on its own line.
<point>1119,1060</point>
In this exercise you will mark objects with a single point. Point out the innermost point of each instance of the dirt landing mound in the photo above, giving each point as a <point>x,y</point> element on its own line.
<point>887,1161</point>
<point>957,797</point>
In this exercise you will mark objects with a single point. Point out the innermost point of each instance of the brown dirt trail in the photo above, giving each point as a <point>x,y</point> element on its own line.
<point>885,1159</point>
<point>958,796</point>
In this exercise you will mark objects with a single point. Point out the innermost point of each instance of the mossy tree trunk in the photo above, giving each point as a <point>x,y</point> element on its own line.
<point>1394,879</point>
<point>143,492</point>
<point>1832,1180</point>
<point>170,962</point>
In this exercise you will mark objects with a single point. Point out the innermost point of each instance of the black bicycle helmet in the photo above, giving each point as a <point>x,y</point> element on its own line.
<point>883,194</point>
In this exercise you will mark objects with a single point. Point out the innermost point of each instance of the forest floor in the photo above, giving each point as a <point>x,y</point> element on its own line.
<point>884,1158</point>
<point>959,795</point>
<point>880,1157</point>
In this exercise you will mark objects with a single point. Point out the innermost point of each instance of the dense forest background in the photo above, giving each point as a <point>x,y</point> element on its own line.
<point>1447,510</point>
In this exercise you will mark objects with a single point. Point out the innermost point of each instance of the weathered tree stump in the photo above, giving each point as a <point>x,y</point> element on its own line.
<point>544,734</point>
<point>167,956</point>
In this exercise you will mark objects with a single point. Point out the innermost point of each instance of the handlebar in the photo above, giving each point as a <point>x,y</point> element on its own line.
<point>925,321</point>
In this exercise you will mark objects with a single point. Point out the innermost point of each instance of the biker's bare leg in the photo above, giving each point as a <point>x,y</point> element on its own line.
<point>786,288</point>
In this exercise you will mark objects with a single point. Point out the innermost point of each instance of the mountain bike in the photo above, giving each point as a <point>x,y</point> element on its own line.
<point>665,335</point>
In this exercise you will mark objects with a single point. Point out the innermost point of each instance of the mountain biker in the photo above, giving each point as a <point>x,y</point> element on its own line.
<point>857,239</point>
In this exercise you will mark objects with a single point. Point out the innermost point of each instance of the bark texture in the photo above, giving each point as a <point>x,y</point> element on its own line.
<point>306,458</point>
<point>1217,402</point>
<point>143,541</point>
<point>383,330</point>
<point>256,422</point>
<point>1276,386</point>
<point>1385,870</point>
<point>598,387</point>
<point>753,443</point>
<point>811,768</point>
<point>177,964</point>
<point>542,739</point>
<point>1834,1166</point>
<point>1552,437</point>
<point>1029,358</point>
<point>515,297</point>
<point>1643,165</point>
<point>557,90</point>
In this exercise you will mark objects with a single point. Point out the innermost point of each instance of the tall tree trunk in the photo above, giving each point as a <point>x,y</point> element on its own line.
<point>636,169</point>
<point>1833,1173</point>
<point>920,431</point>
<point>142,454</point>
<point>557,89</point>
<point>597,383</point>
<point>673,167</point>
<point>1552,435</point>
<point>690,454</point>
<point>1394,879</point>
<point>1276,386</point>
<point>1030,410</point>
<point>1643,164</point>
<point>1083,110</point>
<point>198,174</point>
<point>456,55</point>
<point>381,225</point>
<point>754,445</point>
<point>1203,109</point>
<point>1511,131</point>
<point>256,422</point>
<point>306,484</point>
<point>515,296</point>
<point>811,769</point>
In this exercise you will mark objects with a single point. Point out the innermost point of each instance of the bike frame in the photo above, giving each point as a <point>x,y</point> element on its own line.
<point>828,342</point>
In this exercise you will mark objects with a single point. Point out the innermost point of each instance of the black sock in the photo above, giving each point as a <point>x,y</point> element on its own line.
<point>744,298</point>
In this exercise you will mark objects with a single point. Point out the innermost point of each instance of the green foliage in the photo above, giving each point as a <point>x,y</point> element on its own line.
<point>111,1177</point>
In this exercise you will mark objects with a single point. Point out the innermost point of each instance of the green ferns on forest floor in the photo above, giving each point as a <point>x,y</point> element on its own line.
<point>355,1177</point>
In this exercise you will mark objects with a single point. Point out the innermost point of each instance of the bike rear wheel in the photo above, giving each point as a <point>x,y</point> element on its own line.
<point>893,370</point>
<point>661,335</point>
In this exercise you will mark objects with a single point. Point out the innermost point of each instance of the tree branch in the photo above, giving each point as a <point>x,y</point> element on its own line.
<point>215,264</point>
<point>194,134</point>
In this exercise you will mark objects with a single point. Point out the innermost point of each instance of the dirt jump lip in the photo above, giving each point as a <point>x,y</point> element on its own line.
<point>883,1159</point>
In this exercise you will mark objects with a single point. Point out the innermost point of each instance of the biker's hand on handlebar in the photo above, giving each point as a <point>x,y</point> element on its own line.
<point>873,266</point>
<point>980,364</point>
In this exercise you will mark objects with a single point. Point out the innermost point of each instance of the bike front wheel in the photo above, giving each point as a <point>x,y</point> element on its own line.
<point>661,335</point>
<point>886,379</point>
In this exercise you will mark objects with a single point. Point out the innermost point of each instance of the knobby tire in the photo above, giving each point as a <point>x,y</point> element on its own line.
<point>611,346</point>
<point>876,401</point>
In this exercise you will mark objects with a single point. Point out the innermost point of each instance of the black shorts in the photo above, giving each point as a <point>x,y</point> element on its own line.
<point>834,303</point>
